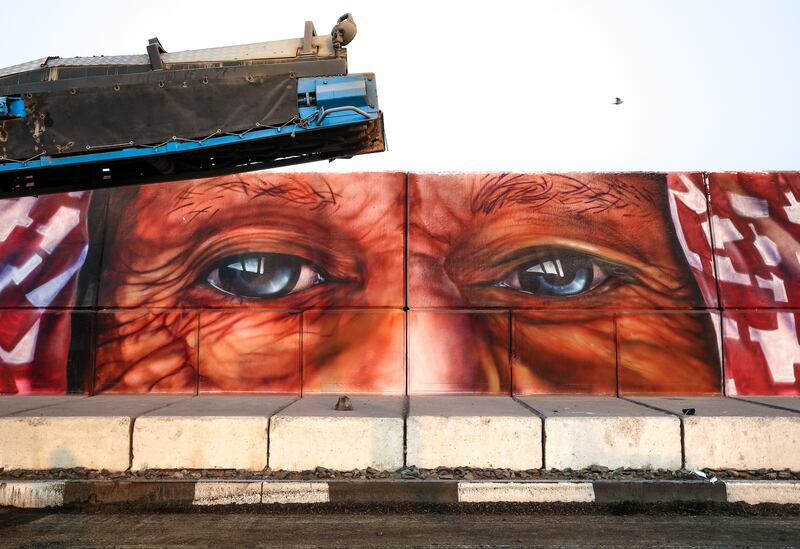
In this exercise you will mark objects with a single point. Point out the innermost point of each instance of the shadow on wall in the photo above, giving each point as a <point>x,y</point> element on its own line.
<point>62,459</point>
<point>488,283</point>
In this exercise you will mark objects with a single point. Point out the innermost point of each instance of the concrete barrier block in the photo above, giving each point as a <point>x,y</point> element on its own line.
<point>310,433</point>
<point>790,403</point>
<point>295,492</point>
<point>32,494</point>
<point>82,432</point>
<point>472,431</point>
<point>227,493</point>
<point>207,432</point>
<point>14,404</point>
<point>134,492</point>
<point>527,492</point>
<point>759,491</point>
<point>727,433</point>
<point>581,431</point>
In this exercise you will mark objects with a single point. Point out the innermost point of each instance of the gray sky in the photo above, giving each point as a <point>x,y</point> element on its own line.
<point>502,85</point>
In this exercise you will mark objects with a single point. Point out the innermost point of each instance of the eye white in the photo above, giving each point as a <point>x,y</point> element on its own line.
<point>308,278</point>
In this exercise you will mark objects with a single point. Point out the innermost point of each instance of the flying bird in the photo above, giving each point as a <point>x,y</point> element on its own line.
<point>617,101</point>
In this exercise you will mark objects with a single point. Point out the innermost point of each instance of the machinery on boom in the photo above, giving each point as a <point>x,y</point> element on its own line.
<point>82,123</point>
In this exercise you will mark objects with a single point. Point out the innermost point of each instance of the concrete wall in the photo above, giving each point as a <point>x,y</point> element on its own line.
<point>604,284</point>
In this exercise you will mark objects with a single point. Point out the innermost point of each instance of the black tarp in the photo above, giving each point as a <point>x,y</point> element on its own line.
<point>80,120</point>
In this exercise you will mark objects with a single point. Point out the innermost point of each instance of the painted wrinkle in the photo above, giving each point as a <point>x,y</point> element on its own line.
<point>143,351</point>
<point>354,351</point>
<point>463,237</point>
<point>564,353</point>
<point>249,352</point>
<point>666,354</point>
<point>349,225</point>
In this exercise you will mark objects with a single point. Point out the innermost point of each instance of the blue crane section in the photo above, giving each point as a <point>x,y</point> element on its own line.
<point>92,122</point>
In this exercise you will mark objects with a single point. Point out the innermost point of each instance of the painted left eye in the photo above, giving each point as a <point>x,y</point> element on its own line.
<point>560,274</point>
<point>263,275</point>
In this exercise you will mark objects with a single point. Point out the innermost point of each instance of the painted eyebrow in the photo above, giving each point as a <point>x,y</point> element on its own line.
<point>534,191</point>
<point>198,199</point>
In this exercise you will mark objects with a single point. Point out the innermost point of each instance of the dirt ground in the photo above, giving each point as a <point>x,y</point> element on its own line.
<point>448,526</point>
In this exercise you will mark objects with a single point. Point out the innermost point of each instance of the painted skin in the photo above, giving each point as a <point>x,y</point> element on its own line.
<point>471,238</point>
<point>566,253</point>
<point>173,241</point>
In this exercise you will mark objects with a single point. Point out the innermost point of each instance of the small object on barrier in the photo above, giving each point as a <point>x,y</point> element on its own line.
<point>709,477</point>
<point>688,411</point>
<point>344,404</point>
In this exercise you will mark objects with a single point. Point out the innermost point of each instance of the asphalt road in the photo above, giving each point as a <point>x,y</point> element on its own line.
<point>503,528</point>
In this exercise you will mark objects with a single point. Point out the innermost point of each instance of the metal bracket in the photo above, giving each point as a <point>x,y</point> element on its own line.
<point>326,112</point>
<point>154,51</point>
<point>308,40</point>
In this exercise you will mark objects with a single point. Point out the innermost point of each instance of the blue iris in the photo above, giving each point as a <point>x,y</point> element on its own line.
<point>560,275</point>
<point>561,286</point>
<point>257,274</point>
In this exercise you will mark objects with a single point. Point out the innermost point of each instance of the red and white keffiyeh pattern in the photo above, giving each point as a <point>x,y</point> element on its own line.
<point>43,245</point>
<point>754,229</point>
<point>688,206</point>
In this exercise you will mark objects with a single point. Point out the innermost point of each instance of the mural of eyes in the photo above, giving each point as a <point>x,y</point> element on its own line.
<point>263,275</point>
<point>558,274</point>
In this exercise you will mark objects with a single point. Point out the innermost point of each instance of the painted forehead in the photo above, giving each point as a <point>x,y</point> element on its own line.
<point>580,194</point>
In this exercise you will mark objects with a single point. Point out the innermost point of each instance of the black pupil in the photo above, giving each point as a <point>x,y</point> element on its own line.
<point>561,275</point>
<point>259,275</point>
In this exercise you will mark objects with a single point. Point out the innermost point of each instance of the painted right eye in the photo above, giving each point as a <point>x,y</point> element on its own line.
<point>263,275</point>
<point>559,275</point>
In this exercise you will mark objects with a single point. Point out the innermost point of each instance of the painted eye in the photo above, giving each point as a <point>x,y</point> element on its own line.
<point>263,275</point>
<point>559,274</point>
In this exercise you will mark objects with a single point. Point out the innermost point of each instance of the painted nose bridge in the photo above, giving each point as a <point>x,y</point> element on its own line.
<point>458,352</point>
